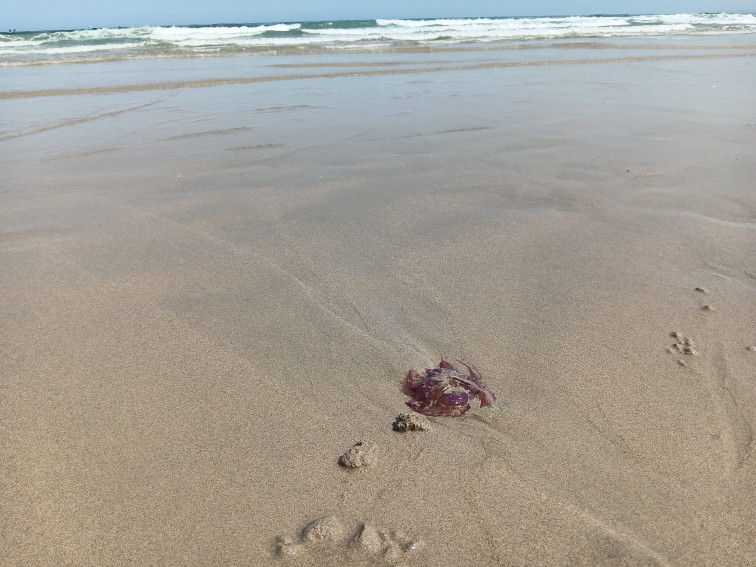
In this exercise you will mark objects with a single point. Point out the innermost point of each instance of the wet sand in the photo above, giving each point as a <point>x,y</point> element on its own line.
<point>212,294</point>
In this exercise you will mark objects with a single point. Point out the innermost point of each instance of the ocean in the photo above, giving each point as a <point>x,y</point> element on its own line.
<point>148,42</point>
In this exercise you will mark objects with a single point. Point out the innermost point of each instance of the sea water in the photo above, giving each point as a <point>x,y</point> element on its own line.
<point>108,44</point>
<point>54,85</point>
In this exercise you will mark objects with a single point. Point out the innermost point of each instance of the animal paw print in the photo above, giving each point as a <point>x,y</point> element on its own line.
<point>683,346</point>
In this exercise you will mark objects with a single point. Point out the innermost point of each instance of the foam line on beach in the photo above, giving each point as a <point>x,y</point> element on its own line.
<point>251,80</point>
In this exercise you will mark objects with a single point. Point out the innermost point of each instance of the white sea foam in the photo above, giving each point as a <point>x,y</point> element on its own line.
<point>215,34</point>
<point>82,45</point>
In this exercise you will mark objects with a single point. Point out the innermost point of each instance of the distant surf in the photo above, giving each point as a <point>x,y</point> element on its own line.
<point>49,47</point>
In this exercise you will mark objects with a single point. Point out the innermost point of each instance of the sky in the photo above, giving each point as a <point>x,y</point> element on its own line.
<point>71,14</point>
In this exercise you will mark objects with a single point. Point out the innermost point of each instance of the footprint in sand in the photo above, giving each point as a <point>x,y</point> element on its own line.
<point>326,540</point>
<point>682,346</point>
<point>707,306</point>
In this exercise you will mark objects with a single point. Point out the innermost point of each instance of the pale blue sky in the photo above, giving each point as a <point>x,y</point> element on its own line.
<point>60,14</point>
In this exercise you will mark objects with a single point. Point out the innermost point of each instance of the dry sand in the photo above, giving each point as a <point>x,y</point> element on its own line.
<point>211,294</point>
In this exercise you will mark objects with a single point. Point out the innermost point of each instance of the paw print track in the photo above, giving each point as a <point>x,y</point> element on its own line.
<point>683,346</point>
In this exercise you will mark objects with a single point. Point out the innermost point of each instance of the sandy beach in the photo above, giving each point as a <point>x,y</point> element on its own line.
<point>216,274</point>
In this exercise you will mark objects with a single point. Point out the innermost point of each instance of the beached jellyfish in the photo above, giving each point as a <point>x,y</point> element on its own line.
<point>445,391</point>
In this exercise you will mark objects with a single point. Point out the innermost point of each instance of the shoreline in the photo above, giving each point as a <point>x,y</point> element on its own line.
<point>372,73</point>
